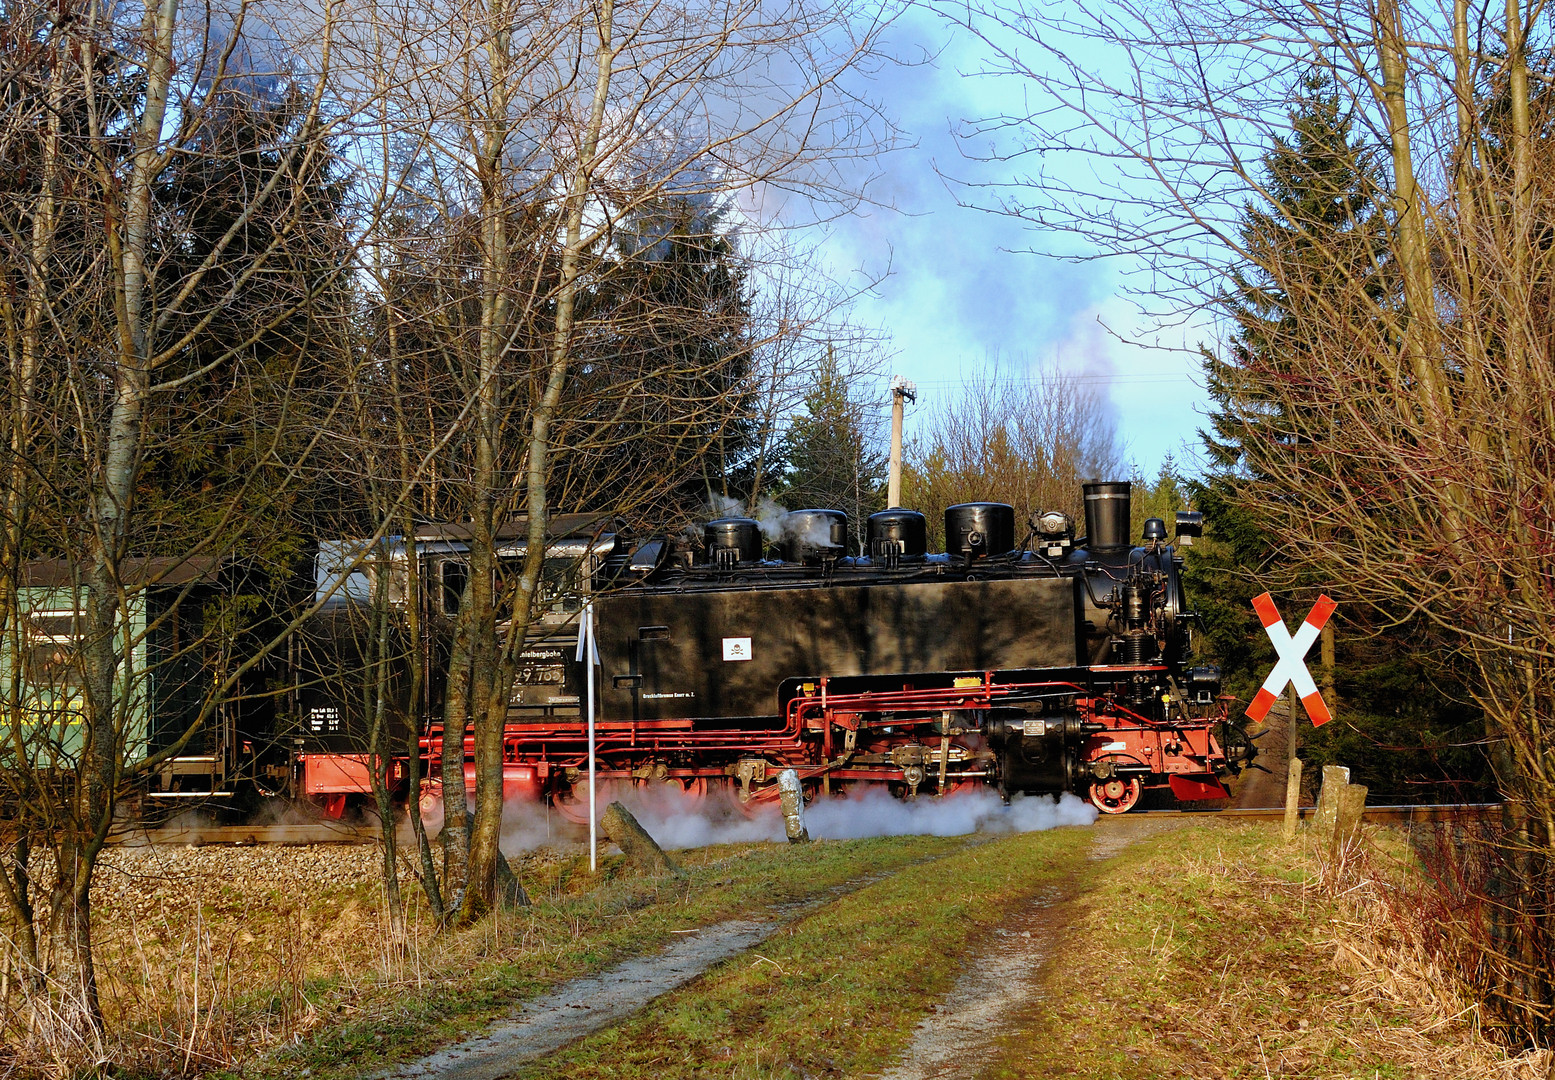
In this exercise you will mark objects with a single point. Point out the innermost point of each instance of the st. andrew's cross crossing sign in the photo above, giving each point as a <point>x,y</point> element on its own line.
<point>1292,665</point>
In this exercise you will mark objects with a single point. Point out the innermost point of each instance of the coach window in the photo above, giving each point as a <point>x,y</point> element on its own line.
<point>52,659</point>
<point>453,576</point>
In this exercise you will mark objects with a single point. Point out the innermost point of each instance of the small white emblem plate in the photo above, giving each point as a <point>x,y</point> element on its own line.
<point>737,648</point>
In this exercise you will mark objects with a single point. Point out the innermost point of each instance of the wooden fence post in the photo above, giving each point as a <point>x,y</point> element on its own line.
<point>1292,797</point>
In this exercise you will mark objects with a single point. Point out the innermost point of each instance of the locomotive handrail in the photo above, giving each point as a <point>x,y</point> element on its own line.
<point>887,700</point>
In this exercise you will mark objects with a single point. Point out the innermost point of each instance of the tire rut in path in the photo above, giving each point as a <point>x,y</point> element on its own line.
<point>585,1005</point>
<point>957,1040</point>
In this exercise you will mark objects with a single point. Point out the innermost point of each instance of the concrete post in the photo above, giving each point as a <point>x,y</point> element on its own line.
<point>1335,779</point>
<point>902,391</point>
<point>791,795</point>
<point>1292,797</point>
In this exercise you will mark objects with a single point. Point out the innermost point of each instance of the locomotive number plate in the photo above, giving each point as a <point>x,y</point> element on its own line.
<point>1033,728</point>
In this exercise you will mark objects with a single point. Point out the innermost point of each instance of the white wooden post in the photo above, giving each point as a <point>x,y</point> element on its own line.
<point>588,656</point>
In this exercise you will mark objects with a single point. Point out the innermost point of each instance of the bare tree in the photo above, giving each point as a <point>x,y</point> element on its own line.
<point>172,255</point>
<point>1410,461</point>
<point>1029,442</point>
<point>533,133</point>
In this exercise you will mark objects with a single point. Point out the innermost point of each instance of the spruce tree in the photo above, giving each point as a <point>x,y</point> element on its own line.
<point>1315,278</point>
<point>669,321</point>
<point>1316,271</point>
<point>833,454</point>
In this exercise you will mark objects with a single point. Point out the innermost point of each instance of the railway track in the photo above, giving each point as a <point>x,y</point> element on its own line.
<point>356,833</point>
<point>1408,813</point>
<point>251,835</point>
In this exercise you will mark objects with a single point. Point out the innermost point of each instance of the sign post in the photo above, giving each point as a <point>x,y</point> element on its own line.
<point>588,656</point>
<point>1291,670</point>
<point>1292,769</point>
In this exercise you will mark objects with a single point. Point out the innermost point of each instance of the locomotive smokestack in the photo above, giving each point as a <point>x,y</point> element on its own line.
<point>1107,515</point>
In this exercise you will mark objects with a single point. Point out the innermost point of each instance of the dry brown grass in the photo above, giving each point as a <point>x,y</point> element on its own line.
<point>268,961</point>
<point>207,956</point>
<point>1222,952</point>
<point>1401,939</point>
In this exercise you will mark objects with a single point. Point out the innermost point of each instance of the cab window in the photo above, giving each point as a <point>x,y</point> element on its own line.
<point>453,576</point>
<point>560,589</point>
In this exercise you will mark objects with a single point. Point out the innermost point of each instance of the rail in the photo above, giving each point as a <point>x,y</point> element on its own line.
<point>1407,813</point>
<point>254,835</point>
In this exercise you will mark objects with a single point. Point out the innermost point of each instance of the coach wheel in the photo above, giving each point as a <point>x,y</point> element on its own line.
<point>1117,795</point>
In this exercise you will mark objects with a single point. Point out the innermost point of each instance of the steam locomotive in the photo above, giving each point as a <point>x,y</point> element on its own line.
<point>1059,663</point>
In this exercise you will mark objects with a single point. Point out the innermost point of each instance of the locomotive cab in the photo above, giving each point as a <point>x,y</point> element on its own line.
<point>339,647</point>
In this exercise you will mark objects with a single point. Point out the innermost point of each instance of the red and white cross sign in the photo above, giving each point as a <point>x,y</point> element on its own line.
<point>1292,666</point>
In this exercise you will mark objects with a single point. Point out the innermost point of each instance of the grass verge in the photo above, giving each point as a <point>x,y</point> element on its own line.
<point>453,985</point>
<point>1222,952</point>
<point>838,992</point>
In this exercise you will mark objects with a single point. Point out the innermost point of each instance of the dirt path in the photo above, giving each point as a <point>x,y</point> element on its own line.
<point>586,1005</point>
<point>957,1039</point>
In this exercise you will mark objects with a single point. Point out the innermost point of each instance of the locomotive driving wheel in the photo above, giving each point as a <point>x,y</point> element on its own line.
<point>1116,795</point>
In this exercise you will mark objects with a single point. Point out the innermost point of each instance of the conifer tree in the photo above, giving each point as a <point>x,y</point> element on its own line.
<point>669,333</point>
<point>1318,281</point>
<point>833,452</point>
<point>1317,240</point>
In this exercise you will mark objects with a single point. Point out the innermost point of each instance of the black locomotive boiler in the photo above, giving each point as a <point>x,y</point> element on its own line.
<point>1056,663</point>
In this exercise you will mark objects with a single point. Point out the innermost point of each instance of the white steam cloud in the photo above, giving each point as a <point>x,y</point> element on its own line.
<point>770,515</point>
<point>877,813</point>
<point>678,820</point>
<point>719,506</point>
<point>773,520</point>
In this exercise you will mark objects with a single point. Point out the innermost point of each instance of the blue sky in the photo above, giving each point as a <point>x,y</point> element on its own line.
<point>963,284</point>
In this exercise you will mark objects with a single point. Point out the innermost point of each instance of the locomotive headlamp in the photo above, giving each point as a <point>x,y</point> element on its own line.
<point>1190,524</point>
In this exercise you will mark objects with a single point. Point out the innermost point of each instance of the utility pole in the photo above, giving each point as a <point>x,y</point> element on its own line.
<point>901,391</point>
